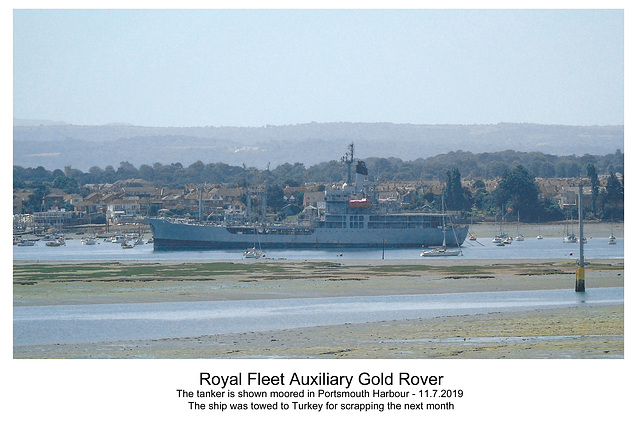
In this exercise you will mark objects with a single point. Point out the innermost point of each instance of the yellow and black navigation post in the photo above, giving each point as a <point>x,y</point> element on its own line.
<point>580,269</point>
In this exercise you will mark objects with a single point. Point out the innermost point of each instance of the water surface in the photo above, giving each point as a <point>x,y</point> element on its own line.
<point>33,325</point>
<point>530,248</point>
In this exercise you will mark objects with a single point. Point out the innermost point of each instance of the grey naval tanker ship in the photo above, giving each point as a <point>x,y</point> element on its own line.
<point>350,220</point>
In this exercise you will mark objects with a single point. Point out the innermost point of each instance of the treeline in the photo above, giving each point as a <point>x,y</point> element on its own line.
<point>494,165</point>
<point>516,193</point>
<point>518,196</point>
<point>477,166</point>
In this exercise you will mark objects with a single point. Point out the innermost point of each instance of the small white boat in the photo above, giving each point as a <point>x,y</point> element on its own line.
<point>26,242</point>
<point>570,238</point>
<point>612,239</point>
<point>57,242</point>
<point>253,253</point>
<point>519,237</point>
<point>539,237</point>
<point>88,240</point>
<point>440,252</point>
<point>502,240</point>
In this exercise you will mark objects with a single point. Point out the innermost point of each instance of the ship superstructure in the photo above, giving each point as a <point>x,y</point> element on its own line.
<point>350,220</point>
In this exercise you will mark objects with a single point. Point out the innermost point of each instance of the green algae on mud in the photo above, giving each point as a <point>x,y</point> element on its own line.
<point>31,273</point>
<point>88,272</point>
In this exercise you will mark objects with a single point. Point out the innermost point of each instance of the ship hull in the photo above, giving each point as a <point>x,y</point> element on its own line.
<point>182,236</point>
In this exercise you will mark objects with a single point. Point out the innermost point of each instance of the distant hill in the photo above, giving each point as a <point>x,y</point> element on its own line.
<point>36,122</point>
<point>55,145</point>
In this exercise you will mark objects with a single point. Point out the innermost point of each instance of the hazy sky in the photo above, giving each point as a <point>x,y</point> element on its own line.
<point>253,68</point>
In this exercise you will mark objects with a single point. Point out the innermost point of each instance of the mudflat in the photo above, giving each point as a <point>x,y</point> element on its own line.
<point>583,332</point>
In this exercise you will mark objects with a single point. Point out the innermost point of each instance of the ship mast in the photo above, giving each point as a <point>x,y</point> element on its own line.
<point>348,160</point>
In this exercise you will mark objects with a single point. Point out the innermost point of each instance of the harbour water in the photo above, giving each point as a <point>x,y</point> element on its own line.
<point>36,325</point>
<point>482,248</point>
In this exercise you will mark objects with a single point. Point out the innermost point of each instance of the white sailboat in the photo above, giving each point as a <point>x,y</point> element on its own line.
<point>471,235</point>
<point>539,230</point>
<point>88,240</point>
<point>502,238</point>
<point>254,252</point>
<point>519,237</point>
<point>497,239</point>
<point>569,237</point>
<point>442,251</point>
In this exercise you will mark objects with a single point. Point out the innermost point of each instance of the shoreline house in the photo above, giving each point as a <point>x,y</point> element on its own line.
<point>235,213</point>
<point>56,217</point>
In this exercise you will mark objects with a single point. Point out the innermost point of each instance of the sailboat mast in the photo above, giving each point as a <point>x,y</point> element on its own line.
<point>444,229</point>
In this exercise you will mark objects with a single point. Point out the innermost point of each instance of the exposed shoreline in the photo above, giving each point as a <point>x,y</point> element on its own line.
<point>36,284</point>
<point>577,332</point>
<point>582,332</point>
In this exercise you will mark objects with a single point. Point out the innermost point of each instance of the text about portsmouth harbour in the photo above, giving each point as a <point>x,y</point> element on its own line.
<point>320,392</point>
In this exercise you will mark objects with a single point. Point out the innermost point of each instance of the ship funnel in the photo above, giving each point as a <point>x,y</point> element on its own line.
<point>361,175</point>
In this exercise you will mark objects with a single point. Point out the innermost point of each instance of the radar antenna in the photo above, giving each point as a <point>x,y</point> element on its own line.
<point>348,160</point>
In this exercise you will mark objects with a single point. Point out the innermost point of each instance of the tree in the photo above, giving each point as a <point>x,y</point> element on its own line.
<point>66,184</point>
<point>613,206</point>
<point>35,201</point>
<point>614,188</point>
<point>95,175</point>
<point>454,195</point>
<point>152,210</point>
<point>126,171</point>
<point>573,170</point>
<point>195,172</point>
<point>518,192</point>
<point>146,172</point>
<point>109,174</point>
<point>592,173</point>
<point>275,197</point>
